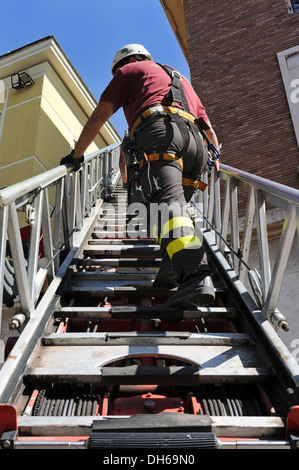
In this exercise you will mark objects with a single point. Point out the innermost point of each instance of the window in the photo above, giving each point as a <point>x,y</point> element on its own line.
<point>293,6</point>
<point>289,67</point>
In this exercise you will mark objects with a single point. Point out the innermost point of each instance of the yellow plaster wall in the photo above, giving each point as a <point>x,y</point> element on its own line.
<point>60,123</point>
<point>19,131</point>
<point>20,119</point>
<point>40,125</point>
<point>52,141</point>
<point>19,171</point>
<point>67,108</point>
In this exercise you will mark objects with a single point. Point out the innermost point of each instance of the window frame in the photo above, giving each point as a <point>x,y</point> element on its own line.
<point>287,60</point>
<point>290,7</point>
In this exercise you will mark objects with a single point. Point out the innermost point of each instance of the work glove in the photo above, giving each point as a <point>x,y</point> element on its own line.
<point>76,162</point>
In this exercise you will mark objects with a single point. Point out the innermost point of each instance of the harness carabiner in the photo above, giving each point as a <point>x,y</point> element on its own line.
<point>214,156</point>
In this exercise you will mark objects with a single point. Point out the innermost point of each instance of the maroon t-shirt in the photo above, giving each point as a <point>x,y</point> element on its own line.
<point>138,85</point>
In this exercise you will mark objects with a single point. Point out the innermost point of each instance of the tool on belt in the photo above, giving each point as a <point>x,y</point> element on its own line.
<point>134,189</point>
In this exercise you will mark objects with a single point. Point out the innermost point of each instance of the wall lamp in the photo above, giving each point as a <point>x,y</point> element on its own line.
<point>21,80</point>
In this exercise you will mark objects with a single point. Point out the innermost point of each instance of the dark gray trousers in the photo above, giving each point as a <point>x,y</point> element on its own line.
<point>161,182</point>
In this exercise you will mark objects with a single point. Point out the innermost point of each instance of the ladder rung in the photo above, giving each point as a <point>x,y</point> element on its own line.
<point>113,276</point>
<point>142,288</point>
<point>118,289</point>
<point>140,312</point>
<point>122,262</point>
<point>173,375</point>
<point>245,426</point>
<point>125,242</point>
<point>179,339</point>
<point>119,250</point>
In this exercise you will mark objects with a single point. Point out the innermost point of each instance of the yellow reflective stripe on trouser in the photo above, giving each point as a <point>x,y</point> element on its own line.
<point>182,244</point>
<point>176,222</point>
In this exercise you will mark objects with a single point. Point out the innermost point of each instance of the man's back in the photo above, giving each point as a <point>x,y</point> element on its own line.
<point>139,85</point>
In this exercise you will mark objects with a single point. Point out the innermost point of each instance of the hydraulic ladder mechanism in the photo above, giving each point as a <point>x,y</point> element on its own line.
<point>100,362</point>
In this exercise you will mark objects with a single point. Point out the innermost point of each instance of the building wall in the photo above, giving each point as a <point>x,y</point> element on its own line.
<point>244,64</point>
<point>19,121</point>
<point>39,125</point>
<point>232,52</point>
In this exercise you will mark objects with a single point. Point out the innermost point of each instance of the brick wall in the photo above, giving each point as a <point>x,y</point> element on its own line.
<point>232,49</point>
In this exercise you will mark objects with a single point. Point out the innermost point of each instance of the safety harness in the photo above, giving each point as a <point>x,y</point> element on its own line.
<point>180,117</point>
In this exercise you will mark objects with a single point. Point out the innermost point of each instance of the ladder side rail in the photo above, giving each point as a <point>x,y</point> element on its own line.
<point>58,224</point>
<point>247,234</point>
<point>282,355</point>
<point>110,168</point>
<point>18,257</point>
<point>260,192</point>
<point>115,154</point>
<point>79,214</point>
<point>70,189</point>
<point>263,247</point>
<point>106,174</point>
<point>283,192</point>
<point>90,184</point>
<point>3,245</point>
<point>82,192</point>
<point>47,236</point>
<point>234,220</point>
<point>72,206</point>
<point>97,182</point>
<point>225,213</point>
<point>281,260</point>
<point>16,362</point>
<point>86,191</point>
<point>66,216</point>
<point>101,177</point>
<point>217,215</point>
<point>35,237</point>
<point>209,209</point>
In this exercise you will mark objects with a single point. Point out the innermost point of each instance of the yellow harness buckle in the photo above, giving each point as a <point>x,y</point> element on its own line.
<point>187,182</point>
<point>155,157</point>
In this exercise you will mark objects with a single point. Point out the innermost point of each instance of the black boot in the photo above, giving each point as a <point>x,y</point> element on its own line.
<point>197,291</point>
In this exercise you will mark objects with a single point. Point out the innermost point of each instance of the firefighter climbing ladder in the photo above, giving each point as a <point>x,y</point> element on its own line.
<point>100,362</point>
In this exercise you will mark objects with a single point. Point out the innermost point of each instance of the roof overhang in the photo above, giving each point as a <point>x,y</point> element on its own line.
<point>174,10</point>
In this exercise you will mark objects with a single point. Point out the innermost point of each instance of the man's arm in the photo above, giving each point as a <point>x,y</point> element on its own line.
<point>211,134</point>
<point>101,114</point>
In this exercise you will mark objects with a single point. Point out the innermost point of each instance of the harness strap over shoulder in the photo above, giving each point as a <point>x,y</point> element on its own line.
<point>176,93</point>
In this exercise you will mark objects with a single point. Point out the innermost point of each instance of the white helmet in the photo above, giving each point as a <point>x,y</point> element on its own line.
<point>127,51</point>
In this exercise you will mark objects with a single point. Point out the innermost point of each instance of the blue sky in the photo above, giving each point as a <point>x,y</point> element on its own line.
<point>90,32</point>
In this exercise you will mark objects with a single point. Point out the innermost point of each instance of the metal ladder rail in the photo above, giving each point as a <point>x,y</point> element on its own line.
<point>222,207</point>
<point>122,344</point>
<point>76,197</point>
<point>120,291</point>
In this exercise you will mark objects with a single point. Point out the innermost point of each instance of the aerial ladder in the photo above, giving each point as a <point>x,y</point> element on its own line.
<point>100,362</point>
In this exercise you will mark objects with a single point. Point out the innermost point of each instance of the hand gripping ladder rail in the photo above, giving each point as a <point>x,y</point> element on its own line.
<point>100,362</point>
